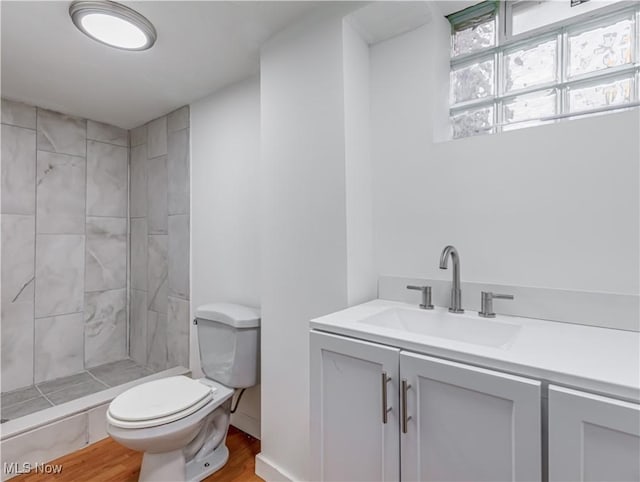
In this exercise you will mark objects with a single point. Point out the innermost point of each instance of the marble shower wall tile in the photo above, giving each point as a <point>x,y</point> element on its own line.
<point>160,202</point>
<point>59,274</point>
<point>157,269</point>
<point>18,170</point>
<point>138,326</point>
<point>47,158</point>
<point>178,169</point>
<point>98,131</point>
<point>16,322</point>
<point>18,114</point>
<point>17,284</point>
<point>157,137</point>
<point>178,119</point>
<point>106,254</point>
<point>18,247</point>
<point>138,180</point>
<point>105,327</point>
<point>61,133</point>
<point>139,254</point>
<point>156,341</point>
<point>178,332</point>
<point>157,190</point>
<point>107,167</point>
<point>58,346</point>
<point>60,193</point>
<point>179,256</point>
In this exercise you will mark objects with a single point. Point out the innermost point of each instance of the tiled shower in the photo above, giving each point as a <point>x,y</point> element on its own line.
<point>95,283</point>
<point>159,216</point>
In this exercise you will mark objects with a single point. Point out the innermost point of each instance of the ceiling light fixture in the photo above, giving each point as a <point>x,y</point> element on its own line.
<point>113,24</point>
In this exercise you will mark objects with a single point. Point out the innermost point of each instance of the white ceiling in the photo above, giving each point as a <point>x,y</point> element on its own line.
<point>447,7</point>
<point>382,20</point>
<point>201,47</point>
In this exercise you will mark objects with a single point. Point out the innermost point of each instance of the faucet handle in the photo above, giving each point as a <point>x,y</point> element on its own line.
<point>426,296</point>
<point>486,302</point>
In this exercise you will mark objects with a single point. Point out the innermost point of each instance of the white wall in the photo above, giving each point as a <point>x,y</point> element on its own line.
<point>305,268</point>
<point>553,206</point>
<point>225,143</point>
<point>361,276</point>
<point>304,229</point>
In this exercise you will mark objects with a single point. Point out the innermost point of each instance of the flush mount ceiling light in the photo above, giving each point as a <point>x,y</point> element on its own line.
<point>113,24</point>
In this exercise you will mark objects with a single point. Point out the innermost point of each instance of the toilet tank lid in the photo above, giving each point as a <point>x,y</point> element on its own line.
<point>238,316</point>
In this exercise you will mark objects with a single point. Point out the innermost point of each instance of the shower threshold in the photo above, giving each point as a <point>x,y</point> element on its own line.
<point>59,429</point>
<point>47,394</point>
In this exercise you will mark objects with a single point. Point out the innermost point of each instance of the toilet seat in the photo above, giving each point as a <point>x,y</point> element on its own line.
<point>159,402</point>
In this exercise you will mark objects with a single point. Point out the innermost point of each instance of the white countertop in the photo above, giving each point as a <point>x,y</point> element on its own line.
<point>600,360</point>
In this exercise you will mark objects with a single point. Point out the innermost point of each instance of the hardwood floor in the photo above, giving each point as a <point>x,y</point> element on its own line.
<point>107,461</point>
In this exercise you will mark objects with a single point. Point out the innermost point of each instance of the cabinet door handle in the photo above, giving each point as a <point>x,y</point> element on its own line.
<point>405,416</point>
<point>385,411</point>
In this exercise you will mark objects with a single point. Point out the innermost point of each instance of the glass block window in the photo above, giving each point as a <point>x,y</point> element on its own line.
<point>613,92</point>
<point>577,65</point>
<point>473,121</point>
<point>536,105</point>
<point>472,82</point>
<point>530,65</point>
<point>474,37</point>
<point>600,48</point>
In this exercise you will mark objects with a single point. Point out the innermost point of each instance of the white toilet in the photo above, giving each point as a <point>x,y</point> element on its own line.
<point>179,423</point>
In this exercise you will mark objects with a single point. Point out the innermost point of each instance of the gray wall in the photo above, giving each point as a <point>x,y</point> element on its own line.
<point>159,302</point>
<point>64,244</point>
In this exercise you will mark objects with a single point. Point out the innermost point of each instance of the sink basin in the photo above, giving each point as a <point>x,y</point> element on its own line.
<point>442,324</point>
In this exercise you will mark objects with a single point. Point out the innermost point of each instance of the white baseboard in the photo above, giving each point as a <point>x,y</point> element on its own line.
<point>267,470</point>
<point>246,423</point>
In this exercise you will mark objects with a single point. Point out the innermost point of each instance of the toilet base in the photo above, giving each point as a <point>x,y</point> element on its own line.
<point>171,467</point>
<point>162,467</point>
<point>198,469</point>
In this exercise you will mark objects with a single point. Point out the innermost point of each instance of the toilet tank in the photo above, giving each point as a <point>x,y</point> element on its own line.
<point>229,343</point>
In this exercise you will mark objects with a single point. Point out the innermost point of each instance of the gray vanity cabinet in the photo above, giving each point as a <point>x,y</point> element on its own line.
<point>468,423</point>
<point>592,438</point>
<point>354,410</point>
<point>382,414</point>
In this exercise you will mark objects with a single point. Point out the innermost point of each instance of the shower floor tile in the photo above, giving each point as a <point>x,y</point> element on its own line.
<point>114,367</point>
<point>63,383</point>
<point>24,408</point>
<point>117,375</point>
<point>18,396</point>
<point>54,392</point>
<point>76,391</point>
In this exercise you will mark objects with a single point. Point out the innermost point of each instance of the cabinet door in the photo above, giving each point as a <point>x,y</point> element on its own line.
<point>468,423</point>
<point>350,439</point>
<point>592,437</point>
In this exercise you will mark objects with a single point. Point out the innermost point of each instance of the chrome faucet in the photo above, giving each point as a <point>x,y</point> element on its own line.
<point>426,296</point>
<point>456,294</point>
<point>486,303</point>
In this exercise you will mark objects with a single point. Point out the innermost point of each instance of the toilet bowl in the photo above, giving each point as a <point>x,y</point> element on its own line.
<point>180,423</point>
